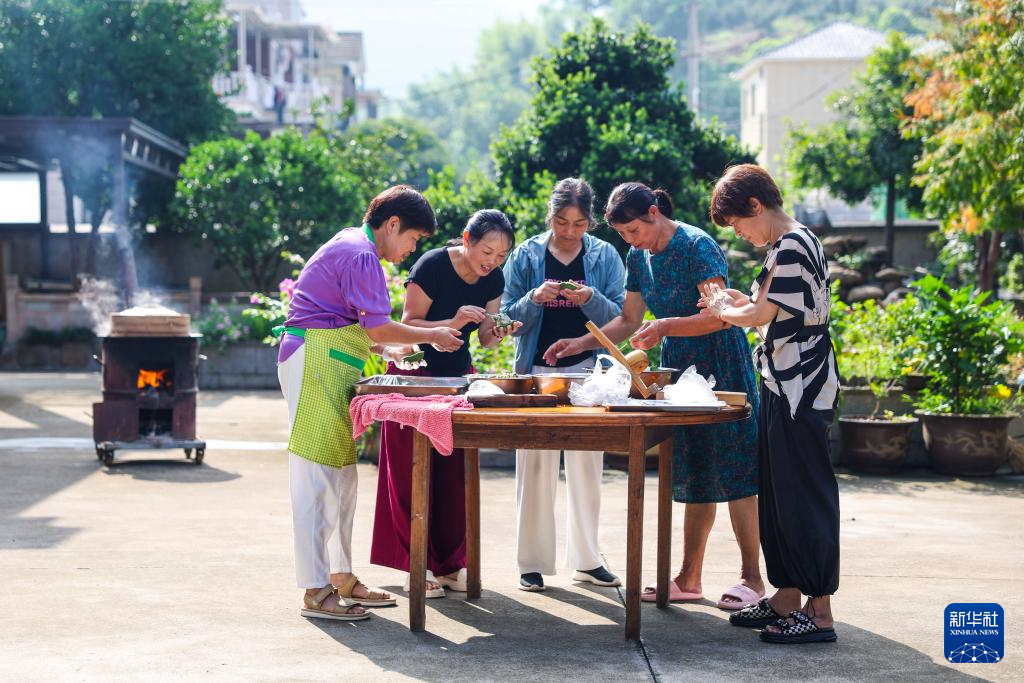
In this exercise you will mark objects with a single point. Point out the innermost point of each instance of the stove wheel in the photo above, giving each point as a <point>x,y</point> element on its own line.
<point>200,452</point>
<point>105,455</point>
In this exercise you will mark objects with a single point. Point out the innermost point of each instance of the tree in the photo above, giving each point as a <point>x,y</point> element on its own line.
<point>734,33</point>
<point>109,58</point>
<point>248,200</point>
<point>865,147</point>
<point>968,105</point>
<point>605,110</point>
<point>390,151</point>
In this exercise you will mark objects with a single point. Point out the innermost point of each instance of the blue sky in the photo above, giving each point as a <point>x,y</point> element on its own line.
<point>407,41</point>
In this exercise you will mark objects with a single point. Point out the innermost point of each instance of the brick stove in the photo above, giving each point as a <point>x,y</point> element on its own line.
<point>149,385</point>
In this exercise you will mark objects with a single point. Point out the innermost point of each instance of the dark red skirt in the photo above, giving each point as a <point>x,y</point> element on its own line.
<point>446,547</point>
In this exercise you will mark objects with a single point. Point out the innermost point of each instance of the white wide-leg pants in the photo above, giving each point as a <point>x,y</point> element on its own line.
<point>323,499</point>
<point>536,483</point>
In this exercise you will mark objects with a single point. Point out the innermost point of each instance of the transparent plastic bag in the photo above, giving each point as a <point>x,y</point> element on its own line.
<point>482,387</point>
<point>692,389</point>
<point>603,386</point>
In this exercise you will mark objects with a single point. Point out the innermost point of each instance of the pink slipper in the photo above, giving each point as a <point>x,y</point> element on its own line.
<point>675,594</point>
<point>745,597</point>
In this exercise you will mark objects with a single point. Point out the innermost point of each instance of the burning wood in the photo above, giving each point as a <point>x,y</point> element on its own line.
<point>153,379</point>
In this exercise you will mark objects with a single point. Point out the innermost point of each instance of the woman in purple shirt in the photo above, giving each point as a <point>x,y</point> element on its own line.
<point>339,314</point>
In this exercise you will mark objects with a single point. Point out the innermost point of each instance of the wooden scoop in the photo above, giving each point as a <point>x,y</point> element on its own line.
<point>613,350</point>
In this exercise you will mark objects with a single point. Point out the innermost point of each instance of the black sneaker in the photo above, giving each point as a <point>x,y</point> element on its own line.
<point>598,577</point>
<point>532,582</point>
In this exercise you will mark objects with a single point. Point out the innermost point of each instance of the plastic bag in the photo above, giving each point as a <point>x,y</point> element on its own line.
<point>603,386</point>
<point>482,387</point>
<point>692,389</point>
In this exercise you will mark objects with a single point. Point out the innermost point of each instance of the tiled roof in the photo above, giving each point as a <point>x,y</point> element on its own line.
<point>839,40</point>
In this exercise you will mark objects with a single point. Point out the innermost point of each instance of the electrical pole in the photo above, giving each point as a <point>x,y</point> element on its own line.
<point>693,61</point>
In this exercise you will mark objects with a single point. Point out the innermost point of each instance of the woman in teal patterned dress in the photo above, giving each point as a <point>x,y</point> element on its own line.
<point>667,266</point>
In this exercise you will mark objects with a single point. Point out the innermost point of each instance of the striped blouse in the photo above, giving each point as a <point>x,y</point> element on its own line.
<point>796,354</point>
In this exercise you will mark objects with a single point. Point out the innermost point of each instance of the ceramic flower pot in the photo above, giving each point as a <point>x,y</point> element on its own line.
<point>874,446</point>
<point>965,445</point>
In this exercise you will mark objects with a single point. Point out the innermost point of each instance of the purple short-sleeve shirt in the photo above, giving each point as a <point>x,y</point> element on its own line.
<point>342,284</point>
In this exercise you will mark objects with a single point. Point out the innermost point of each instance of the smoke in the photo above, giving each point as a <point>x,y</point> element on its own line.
<point>100,298</point>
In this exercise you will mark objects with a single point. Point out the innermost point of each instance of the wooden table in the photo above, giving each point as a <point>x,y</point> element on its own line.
<point>564,427</point>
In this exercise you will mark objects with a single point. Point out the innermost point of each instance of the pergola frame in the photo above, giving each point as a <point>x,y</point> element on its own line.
<point>33,143</point>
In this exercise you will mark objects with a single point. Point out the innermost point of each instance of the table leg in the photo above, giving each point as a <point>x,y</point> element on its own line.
<point>472,476</point>
<point>418,540</point>
<point>634,531</point>
<point>664,519</point>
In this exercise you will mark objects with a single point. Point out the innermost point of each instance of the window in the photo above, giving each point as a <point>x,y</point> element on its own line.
<point>20,199</point>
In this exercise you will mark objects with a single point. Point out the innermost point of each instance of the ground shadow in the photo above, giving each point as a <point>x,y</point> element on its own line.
<point>502,639</point>
<point>174,471</point>
<point>682,642</point>
<point>914,482</point>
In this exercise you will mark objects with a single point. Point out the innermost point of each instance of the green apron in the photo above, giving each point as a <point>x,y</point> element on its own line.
<point>322,430</point>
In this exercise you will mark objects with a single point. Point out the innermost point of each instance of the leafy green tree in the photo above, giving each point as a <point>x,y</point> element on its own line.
<point>249,200</point>
<point>968,105</point>
<point>605,110</point>
<point>865,147</point>
<point>734,33</point>
<point>111,58</point>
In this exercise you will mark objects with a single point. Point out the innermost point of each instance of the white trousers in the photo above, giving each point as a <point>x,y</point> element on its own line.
<point>323,499</point>
<point>536,483</point>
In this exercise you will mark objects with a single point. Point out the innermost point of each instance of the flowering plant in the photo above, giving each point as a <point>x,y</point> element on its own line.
<point>221,326</point>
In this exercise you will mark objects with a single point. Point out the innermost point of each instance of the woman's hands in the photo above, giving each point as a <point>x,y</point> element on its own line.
<point>468,314</point>
<point>578,296</point>
<point>548,291</point>
<point>562,349</point>
<point>502,331</point>
<point>446,338</point>
<point>395,354</point>
<point>649,335</point>
<point>716,299</point>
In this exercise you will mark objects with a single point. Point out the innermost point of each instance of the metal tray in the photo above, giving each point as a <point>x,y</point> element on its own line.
<point>411,385</point>
<point>659,406</point>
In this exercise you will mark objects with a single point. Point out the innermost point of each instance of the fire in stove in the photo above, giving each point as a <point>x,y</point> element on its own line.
<point>156,380</point>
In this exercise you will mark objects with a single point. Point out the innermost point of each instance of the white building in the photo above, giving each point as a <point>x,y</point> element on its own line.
<point>788,86</point>
<point>282,68</point>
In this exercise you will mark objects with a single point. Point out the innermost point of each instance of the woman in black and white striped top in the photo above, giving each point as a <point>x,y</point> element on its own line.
<point>798,502</point>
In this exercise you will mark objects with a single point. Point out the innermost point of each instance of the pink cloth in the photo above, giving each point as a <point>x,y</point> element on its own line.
<point>429,415</point>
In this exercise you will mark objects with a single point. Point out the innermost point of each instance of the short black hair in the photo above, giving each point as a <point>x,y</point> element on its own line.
<point>737,186</point>
<point>411,207</point>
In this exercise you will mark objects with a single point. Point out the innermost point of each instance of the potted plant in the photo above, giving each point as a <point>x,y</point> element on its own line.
<point>873,351</point>
<point>965,410</point>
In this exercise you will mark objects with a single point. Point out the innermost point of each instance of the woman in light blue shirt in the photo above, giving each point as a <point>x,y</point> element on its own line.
<point>533,273</point>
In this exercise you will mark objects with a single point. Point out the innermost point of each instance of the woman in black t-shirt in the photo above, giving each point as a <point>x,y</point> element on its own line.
<point>454,286</point>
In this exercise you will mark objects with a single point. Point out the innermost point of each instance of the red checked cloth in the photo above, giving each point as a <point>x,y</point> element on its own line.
<point>429,415</point>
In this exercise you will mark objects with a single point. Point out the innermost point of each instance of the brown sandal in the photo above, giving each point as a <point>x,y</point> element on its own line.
<point>372,599</point>
<point>314,607</point>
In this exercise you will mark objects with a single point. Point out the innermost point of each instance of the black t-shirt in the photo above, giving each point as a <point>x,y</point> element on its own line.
<point>562,318</point>
<point>435,273</point>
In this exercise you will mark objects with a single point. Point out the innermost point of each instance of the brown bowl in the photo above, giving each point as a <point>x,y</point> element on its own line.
<point>558,384</point>
<point>519,384</point>
<point>660,376</point>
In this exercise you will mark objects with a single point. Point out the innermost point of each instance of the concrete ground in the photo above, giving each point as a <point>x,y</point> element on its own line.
<point>155,568</point>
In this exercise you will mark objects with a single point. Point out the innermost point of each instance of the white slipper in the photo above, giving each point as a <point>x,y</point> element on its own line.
<point>431,592</point>
<point>458,584</point>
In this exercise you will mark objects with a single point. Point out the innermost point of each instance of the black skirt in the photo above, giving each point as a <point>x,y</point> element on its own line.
<point>798,499</point>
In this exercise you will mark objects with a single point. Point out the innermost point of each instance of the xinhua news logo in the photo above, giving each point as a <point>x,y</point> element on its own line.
<point>974,633</point>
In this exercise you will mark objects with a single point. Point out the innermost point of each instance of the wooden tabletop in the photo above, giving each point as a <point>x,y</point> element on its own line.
<point>573,416</point>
